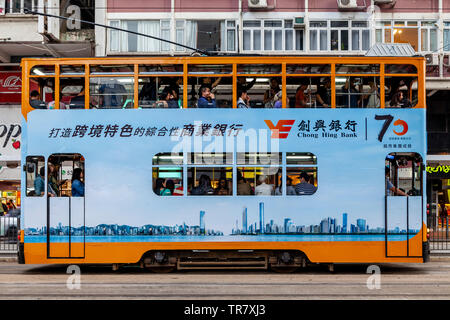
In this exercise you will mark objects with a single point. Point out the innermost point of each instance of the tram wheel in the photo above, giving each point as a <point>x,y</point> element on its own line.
<point>284,269</point>
<point>162,269</point>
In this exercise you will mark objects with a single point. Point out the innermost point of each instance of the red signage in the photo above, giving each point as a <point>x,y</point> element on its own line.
<point>10,86</point>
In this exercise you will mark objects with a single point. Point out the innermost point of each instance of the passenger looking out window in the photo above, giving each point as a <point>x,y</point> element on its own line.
<point>223,189</point>
<point>167,99</point>
<point>207,99</point>
<point>35,102</point>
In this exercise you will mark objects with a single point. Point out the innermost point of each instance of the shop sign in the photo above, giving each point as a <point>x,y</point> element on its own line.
<point>10,134</point>
<point>438,171</point>
<point>10,87</point>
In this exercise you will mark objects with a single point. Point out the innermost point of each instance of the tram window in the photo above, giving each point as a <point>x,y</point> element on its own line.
<point>308,69</point>
<point>252,158</point>
<point>401,92</point>
<point>210,158</point>
<point>399,68</point>
<point>210,92</point>
<point>210,69</point>
<point>262,92</point>
<point>71,93</point>
<point>112,69</point>
<point>160,92</point>
<point>66,175</point>
<point>35,176</point>
<point>42,70</point>
<point>403,172</point>
<point>161,69</point>
<point>42,92</point>
<point>168,181</point>
<point>358,92</point>
<point>300,158</point>
<point>249,69</point>
<point>259,181</point>
<point>112,92</point>
<point>168,158</point>
<point>204,181</point>
<point>71,70</point>
<point>301,181</point>
<point>357,68</point>
<point>302,92</point>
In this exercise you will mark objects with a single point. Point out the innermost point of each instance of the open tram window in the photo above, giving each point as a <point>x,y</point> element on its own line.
<point>35,176</point>
<point>403,173</point>
<point>112,92</point>
<point>400,92</point>
<point>307,92</point>
<point>358,92</point>
<point>160,92</point>
<point>168,174</point>
<point>160,86</point>
<point>260,92</point>
<point>301,173</point>
<point>42,92</point>
<point>66,175</point>
<point>72,93</point>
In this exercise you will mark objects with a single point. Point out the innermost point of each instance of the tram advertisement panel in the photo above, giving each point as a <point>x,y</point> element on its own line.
<point>227,175</point>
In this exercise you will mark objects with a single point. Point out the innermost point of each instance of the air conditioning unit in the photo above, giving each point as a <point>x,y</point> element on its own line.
<point>347,4</point>
<point>255,4</point>
<point>299,22</point>
<point>432,59</point>
<point>392,2</point>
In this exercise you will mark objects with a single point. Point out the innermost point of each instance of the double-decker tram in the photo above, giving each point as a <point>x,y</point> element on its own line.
<point>230,162</point>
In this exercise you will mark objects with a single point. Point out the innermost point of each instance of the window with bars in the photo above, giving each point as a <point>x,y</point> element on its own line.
<point>271,35</point>
<point>19,6</point>
<point>422,35</point>
<point>339,36</point>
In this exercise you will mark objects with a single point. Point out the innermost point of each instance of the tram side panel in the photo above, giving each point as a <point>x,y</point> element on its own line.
<point>122,217</point>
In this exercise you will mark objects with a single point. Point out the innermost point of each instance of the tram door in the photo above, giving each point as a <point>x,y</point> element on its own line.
<point>403,204</point>
<point>65,207</point>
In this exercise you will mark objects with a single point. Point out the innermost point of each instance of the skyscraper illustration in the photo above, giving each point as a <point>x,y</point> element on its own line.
<point>344,222</point>
<point>244,220</point>
<point>202,222</point>
<point>261,217</point>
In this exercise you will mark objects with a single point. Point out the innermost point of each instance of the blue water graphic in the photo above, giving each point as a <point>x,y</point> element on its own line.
<point>240,238</point>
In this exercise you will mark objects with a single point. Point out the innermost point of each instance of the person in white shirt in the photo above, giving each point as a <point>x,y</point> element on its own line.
<point>243,99</point>
<point>263,189</point>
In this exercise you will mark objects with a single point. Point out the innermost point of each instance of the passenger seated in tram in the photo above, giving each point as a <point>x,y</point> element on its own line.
<point>372,98</point>
<point>169,187</point>
<point>399,101</point>
<point>244,99</point>
<point>167,100</point>
<point>204,186</point>
<point>243,187</point>
<point>207,99</point>
<point>35,102</point>
<point>223,188</point>
<point>271,92</point>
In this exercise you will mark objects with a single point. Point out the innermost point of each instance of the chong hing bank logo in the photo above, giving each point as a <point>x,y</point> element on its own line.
<point>281,130</point>
<point>387,122</point>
